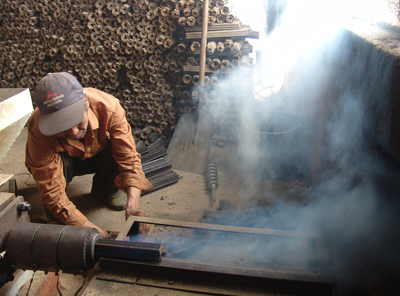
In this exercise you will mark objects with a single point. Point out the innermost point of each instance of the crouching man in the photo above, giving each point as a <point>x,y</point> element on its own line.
<point>76,131</point>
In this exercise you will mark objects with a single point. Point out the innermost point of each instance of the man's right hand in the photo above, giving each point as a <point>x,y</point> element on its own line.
<point>89,224</point>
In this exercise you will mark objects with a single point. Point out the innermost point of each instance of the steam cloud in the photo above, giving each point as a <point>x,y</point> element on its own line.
<point>339,89</point>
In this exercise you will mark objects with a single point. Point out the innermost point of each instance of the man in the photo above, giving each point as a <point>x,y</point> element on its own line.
<point>75,131</point>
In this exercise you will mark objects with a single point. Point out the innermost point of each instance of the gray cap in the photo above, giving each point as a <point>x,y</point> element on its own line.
<point>61,102</point>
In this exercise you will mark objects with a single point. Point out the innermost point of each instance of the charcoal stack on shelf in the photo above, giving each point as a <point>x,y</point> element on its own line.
<point>228,76</point>
<point>145,53</point>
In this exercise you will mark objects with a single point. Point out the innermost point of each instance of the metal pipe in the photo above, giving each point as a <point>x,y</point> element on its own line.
<point>203,42</point>
<point>50,247</point>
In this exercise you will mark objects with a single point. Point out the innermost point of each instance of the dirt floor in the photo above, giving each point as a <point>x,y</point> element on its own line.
<point>241,196</point>
<point>185,201</point>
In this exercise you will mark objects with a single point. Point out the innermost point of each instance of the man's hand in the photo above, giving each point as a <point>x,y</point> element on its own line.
<point>89,224</point>
<point>132,208</point>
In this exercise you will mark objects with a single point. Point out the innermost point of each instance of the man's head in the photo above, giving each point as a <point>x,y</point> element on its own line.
<point>61,102</point>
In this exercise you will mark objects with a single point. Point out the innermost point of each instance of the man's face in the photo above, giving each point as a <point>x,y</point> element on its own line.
<point>77,132</point>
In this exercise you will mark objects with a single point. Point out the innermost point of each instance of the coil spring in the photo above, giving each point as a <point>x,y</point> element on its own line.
<point>212,175</point>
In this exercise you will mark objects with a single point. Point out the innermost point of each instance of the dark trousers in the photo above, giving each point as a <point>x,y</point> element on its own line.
<point>102,165</point>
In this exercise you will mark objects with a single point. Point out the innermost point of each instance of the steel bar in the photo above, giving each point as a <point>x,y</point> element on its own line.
<point>127,250</point>
<point>203,42</point>
<point>227,228</point>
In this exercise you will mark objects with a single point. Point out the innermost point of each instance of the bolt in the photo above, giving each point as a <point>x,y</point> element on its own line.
<point>24,207</point>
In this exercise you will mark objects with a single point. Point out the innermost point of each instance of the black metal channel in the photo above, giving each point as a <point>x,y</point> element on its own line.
<point>272,281</point>
<point>127,250</point>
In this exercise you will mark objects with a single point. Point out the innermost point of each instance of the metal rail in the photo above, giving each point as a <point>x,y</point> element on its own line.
<point>270,279</point>
<point>215,227</point>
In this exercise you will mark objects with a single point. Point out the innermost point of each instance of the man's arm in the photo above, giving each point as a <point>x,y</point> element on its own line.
<point>132,207</point>
<point>125,154</point>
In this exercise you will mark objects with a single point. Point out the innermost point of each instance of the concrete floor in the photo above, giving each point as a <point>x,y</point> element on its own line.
<point>185,200</point>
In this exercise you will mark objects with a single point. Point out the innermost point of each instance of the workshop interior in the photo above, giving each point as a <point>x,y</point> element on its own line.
<point>270,130</point>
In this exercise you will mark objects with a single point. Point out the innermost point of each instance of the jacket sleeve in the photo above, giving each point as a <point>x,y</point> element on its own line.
<point>125,154</point>
<point>45,164</point>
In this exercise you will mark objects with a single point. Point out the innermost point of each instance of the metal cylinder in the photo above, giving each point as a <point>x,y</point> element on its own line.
<point>50,247</point>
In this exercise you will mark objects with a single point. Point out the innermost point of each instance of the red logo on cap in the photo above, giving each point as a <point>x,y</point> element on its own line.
<point>51,95</point>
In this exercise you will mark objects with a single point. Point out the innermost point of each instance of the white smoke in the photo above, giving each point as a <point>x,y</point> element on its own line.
<point>322,74</point>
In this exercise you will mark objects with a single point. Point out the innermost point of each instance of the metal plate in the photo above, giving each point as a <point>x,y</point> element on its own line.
<point>191,142</point>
